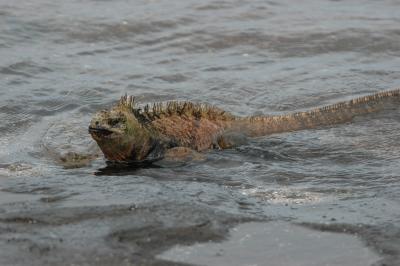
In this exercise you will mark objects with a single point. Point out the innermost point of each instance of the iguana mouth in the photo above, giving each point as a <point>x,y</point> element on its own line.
<point>100,131</point>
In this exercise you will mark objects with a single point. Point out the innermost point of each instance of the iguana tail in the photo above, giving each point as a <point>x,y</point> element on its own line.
<point>341,112</point>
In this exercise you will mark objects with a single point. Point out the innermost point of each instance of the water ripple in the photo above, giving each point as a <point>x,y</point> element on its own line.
<point>26,69</point>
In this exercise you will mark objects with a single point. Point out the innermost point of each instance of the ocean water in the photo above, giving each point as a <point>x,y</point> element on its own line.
<point>61,61</point>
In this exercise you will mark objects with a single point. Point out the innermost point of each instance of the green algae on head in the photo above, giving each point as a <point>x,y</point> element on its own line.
<point>120,135</point>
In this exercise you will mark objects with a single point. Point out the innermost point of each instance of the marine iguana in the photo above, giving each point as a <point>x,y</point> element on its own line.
<point>130,133</point>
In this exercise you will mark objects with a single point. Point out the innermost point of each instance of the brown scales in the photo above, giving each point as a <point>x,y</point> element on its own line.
<point>188,124</point>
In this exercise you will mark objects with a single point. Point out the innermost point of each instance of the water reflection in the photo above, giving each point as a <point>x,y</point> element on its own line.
<point>120,169</point>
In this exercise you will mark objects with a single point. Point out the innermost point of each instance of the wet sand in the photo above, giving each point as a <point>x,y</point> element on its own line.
<point>276,243</point>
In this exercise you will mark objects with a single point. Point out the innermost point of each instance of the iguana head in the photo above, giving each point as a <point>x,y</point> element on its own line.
<point>120,135</point>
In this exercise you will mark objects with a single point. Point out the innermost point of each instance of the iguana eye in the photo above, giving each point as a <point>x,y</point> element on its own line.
<point>113,121</point>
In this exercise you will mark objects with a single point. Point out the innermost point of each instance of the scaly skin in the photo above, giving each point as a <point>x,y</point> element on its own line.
<point>127,133</point>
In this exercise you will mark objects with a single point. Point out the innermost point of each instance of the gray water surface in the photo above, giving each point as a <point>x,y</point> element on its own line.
<point>61,61</point>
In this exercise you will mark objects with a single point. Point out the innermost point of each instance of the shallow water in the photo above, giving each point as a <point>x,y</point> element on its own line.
<point>62,61</point>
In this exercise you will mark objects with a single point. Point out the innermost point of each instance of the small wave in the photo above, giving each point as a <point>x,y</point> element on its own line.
<point>264,153</point>
<point>18,169</point>
<point>68,143</point>
<point>119,31</point>
<point>175,78</point>
<point>94,52</point>
<point>14,117</point>
<point>25,69</point>
<point>297,45</point>
<point>285,195</point>
<point>215,6</point>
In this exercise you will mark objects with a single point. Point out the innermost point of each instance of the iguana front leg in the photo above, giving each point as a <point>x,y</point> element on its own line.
<point>226,140</point>
<point>76,160</point>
